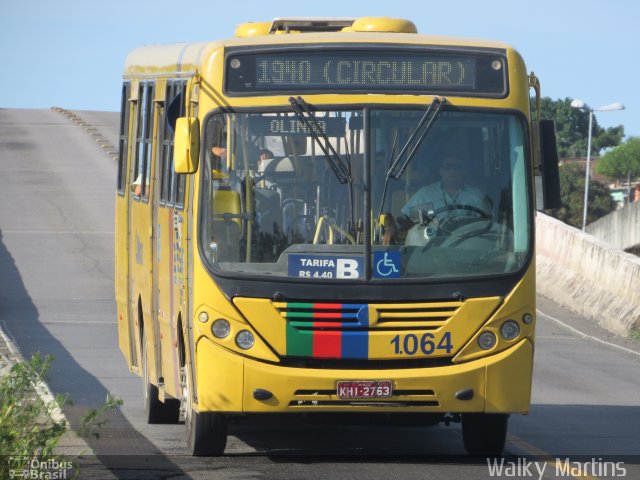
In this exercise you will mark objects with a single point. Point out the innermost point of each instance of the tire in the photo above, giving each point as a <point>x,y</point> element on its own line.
<point>484,434</point>
<point>155,411</point>
<point>206,432</point>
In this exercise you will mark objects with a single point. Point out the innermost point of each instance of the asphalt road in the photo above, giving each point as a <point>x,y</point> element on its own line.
<point>57,186</point>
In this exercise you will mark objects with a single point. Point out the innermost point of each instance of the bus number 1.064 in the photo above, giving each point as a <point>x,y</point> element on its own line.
<point>410,344</point>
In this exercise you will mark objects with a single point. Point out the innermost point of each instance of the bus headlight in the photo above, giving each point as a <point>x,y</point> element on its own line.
<point>220,328</point>
<point>487,340</point>
<point>245,339</point>
<point>510,330</point>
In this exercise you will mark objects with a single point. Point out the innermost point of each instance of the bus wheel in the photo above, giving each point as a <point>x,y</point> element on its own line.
<point>155,411</point>
<point>206,432</point>
<point>484,433</point>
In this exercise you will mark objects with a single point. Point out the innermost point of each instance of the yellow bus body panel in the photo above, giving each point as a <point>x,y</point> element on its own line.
<point>501,383</point>
<point>219,376</point>
<point>509,380</point>
<point>500,378</point>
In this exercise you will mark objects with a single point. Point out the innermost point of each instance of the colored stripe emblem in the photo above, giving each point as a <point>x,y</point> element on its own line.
<point>327,330</point>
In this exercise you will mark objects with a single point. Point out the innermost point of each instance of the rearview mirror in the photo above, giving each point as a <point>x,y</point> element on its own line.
<point>186,149</point>
<point>546,156</point>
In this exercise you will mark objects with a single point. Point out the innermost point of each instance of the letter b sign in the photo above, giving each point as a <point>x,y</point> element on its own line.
<point>347,268</point>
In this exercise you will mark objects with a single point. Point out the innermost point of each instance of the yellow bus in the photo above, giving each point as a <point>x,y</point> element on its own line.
<point>330,216</point>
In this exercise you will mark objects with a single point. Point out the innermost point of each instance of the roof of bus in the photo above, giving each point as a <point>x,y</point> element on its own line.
<point>188,56</point>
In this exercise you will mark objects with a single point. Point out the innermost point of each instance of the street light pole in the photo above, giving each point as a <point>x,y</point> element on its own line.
<point>586,175</point>
<point>580,105</point>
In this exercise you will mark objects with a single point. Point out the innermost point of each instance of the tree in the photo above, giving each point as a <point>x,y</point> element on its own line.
<point>622,161</point>
<point>572,194</point>
<point>572,128</point>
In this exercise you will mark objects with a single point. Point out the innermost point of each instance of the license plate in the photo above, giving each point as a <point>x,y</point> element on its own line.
<point>365,389</point>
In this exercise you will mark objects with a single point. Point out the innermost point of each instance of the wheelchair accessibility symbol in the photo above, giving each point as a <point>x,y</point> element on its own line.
<point>386,264</point>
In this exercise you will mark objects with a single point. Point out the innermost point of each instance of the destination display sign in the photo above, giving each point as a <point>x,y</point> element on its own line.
<point>365,71</point>
<point>292,125</point>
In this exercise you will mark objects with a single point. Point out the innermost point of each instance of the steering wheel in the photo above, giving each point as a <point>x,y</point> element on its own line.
<point>463,225</point>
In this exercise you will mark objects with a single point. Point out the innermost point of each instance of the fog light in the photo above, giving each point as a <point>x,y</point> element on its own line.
<point>509,330</point>
<point>220,328</point>
<point>527,318</point>
<point>203,317</point>
<point>487,340</point>
<point>245,339</point>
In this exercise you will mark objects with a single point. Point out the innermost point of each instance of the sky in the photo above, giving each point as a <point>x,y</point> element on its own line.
<point>70,53</point>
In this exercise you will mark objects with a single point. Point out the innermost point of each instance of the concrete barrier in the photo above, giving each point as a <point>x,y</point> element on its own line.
<point>621,228</point>
<point>588,275</point>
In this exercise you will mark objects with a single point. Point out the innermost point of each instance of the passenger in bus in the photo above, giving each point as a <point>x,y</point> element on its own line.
<point>216,135</point>
<point>136,186</point>
<point>219,151</point>
<point>219,161</point>
<point>265,157</point>
<point>450,190</point>
<point>219,156</point>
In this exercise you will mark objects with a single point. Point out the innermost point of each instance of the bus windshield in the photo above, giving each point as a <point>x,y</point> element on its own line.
<point>309,195</point>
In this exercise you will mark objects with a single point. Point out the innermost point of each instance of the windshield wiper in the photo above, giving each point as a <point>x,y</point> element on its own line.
<point>306,116</point>
<point>386,180</point>
<point>416,138</point>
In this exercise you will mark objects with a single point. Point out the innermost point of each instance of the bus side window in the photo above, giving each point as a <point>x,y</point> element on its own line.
<point>172,184</point>
<point>123,150</point>
<point>144,137</point>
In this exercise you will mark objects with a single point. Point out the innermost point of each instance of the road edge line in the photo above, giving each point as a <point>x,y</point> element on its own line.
<point>586,336</point>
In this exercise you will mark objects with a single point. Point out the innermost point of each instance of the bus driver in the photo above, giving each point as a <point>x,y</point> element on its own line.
<point>451,190</point>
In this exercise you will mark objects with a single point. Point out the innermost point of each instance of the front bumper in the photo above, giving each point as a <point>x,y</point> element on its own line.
<point>501,383</point>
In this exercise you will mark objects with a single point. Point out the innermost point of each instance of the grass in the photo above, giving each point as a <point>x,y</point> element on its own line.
<point>29,434</point>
